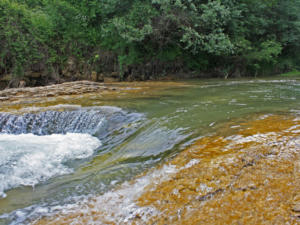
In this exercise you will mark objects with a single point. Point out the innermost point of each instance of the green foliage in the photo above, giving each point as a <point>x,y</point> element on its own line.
<point>19,43</point>
<point>294,73</point>
<point>249,36</point>
<point>267,51</point>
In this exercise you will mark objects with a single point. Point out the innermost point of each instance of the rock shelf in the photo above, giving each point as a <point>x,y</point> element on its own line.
<point>246,174</point>
<point>68,88</point>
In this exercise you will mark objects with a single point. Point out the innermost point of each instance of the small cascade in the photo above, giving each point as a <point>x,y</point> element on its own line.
<point>97,121</point>
<point>37,147</point>
<point>51,122</point>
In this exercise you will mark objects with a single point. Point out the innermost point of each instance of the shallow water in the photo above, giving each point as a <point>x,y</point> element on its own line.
<point>150,127</point>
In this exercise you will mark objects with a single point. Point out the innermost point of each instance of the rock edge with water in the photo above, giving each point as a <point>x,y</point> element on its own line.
<point>68,88</point>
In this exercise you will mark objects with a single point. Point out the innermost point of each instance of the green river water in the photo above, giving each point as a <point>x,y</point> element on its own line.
<point>173,117</point>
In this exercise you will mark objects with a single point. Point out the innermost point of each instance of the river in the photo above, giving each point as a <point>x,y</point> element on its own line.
<point>115,159</point>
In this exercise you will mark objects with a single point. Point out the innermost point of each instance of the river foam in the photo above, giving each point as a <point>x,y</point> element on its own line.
<point>28,159</point>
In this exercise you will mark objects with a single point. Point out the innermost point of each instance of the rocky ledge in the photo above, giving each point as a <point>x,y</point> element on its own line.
<point>79,93</point>
<point>68,88</point>
<point>246,174</point>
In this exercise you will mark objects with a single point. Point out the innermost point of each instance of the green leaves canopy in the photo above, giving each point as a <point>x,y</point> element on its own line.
<point>252,36</point>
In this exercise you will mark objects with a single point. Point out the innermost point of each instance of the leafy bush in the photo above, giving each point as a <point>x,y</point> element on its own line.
<point>148,37</point>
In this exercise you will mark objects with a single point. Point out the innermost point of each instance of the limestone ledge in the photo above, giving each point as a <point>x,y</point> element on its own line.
<point>68,88</point>
<point>246,174</point>
<point>78,93</point>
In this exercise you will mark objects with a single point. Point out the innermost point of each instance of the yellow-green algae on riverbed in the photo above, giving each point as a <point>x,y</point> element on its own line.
<point>246,173</point>
<point>80,93</point>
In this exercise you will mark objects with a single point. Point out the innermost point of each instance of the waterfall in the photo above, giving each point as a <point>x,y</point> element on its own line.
<point>37,147</point>
<point>97,121</point>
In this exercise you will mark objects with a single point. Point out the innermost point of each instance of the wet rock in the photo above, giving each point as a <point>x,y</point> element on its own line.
<point>243,182</point>
<point>68,88</point>
<point>296,208</point>
<point>85,93</point>
<point>234,182</point>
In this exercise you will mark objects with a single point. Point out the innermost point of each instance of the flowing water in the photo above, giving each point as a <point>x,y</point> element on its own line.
<point>102,156</point>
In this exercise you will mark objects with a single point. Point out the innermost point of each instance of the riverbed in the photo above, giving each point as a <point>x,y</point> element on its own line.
<point>189,152</point>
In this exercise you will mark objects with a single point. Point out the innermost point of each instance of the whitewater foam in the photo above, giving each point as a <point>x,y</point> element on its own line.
<point>28,159</point>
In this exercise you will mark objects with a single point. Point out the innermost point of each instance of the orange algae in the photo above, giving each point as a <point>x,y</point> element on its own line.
<point>244,175</point>
<point>251,177</point>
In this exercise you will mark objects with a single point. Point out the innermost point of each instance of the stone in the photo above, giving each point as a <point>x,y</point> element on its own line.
<point>110,80</point>
<point>68,88</point>
<point>22,84</point>
<point>213,186</point>
<point>101,77</point>
<point>50,94</point>
<point>94,76</point>
<point>4,98</point>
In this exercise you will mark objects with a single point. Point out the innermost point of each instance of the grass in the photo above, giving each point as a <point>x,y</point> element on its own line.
<point>294,73</point>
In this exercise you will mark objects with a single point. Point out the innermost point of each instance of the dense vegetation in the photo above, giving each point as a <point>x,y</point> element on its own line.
<point>144,39</point>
